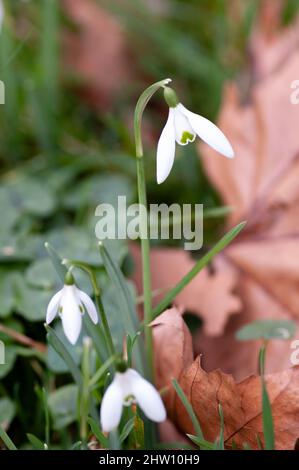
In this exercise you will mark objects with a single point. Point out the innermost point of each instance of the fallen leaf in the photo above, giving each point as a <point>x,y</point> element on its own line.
<point>173,349</point>
<point>260,184</point>
<point>241,403</point>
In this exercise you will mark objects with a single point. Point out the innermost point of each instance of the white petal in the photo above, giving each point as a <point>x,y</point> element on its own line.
<point>148,398</point>
<point>183,131</point>
<point>71,315</point>
<point>53,307</point>
<point>111,407</point>
<point>89,305</point>
<point>208,132</point>
<point>166,149</point>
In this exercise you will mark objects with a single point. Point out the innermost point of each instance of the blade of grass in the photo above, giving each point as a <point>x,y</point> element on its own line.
<point>220,440</point>
<point>61,350</point>
<point>202,443</point>
<point>101,371</point>
<point>268,426</point>
<point>128,427</point>
<point>60,269</point>
<point>36,442</point>
<point>59,347</point>
<point>95,429</point>
<point>128,306</point>
<point>189,409</point>
<point>97,335</point>
<point>6,439</point>
<point>199,265</point>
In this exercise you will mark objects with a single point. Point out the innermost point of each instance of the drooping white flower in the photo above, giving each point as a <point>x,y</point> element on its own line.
<point>130,387</point>
<point>182,127</point>
<point>70,303</point>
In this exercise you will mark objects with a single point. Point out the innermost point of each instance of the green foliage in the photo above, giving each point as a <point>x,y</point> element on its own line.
<point>63,406</point>
<point>267,329</point>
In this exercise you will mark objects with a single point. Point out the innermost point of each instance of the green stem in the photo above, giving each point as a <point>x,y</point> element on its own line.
<point>146,271</point>
<point>102,313</point>
<point>84,408</point>
<point>145,246</point>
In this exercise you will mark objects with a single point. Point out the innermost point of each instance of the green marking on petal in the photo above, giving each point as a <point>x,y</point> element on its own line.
<point>129,400</point>
<point>186,137</point>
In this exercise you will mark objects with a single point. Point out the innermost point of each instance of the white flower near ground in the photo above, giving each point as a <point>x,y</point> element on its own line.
<point>70,303</point>
<point>127,388</point>
<point>182,127</point>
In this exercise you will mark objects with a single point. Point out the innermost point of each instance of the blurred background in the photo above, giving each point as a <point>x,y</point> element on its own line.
<point>73,71</point>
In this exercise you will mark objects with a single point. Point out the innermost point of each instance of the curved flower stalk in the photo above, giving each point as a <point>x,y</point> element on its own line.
<point>129,387</point>
<point>70,303</point>
<point>182,127</point>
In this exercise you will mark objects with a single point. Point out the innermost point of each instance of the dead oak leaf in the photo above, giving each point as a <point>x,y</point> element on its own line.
<point>261,186</point>
<point>241,403</point>
<point>173,349</point>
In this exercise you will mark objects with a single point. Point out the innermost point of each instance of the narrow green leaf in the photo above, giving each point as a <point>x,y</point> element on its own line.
<point>259,442</point>
<point>128,427</point>
<point>118,279</point>
<point>130,346</point>
<point>95,429</point>
<point>268,426</point>
<point>36,442</point>
<point>202,443</point>
<point>267,329</point>
<point>215,212</point>
<point>64,354</point>
<point>97,335</point>
<point>220,440</point>
<point>262,359</point>
<point>60,269</point>
<point>189,409</point>
<point>114,443</point>
<point>6,439</point>
<point>128,314</point>
<point>101,371</point>
<point>197,268</point>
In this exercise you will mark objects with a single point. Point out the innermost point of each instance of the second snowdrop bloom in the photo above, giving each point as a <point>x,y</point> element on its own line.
<point>130,387</point>
<point>70,303</point>
<point>182,127</point>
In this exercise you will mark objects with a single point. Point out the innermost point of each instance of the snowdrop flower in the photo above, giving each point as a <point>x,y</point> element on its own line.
<point>70,303</point>
<point>129,387</point>
<point>181,127</point>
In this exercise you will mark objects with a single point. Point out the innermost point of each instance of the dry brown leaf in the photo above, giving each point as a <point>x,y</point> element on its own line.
<point>97,51</point>
<point>173,349</point>
<point>262,187</point>
<point>241,403</point>
<point>170,265</point>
